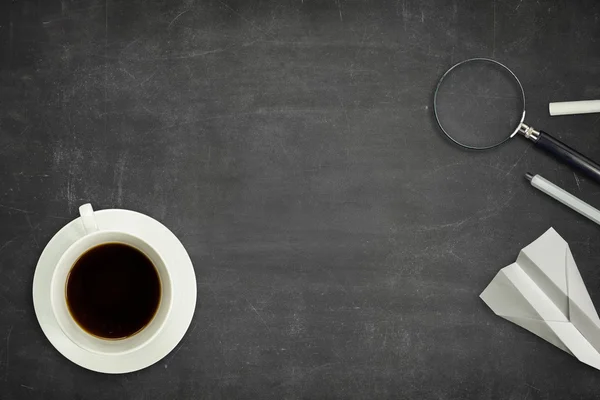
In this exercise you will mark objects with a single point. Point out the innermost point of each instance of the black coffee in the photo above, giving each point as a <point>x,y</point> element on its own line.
<point>113,291</point>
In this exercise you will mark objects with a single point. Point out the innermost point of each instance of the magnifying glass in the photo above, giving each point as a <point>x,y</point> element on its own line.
<point>479,104</point>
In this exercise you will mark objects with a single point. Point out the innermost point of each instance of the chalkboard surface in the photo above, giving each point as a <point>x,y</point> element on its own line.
<point>340,242</point>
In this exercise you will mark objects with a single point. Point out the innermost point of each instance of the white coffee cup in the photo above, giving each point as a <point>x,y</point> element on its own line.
<point>92,238</point>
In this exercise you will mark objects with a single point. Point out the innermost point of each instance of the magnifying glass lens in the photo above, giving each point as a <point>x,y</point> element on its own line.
<point>479,104</point>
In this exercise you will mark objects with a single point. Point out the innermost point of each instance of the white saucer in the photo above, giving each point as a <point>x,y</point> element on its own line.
<point>183,280</point>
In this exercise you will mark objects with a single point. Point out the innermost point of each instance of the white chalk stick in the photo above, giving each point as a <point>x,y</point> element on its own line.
<point>575,107</point>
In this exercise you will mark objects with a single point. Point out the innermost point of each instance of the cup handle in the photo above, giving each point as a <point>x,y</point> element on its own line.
<point>87,218</point>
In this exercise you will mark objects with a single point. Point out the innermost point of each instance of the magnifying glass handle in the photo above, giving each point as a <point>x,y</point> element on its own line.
<point>567,155</point>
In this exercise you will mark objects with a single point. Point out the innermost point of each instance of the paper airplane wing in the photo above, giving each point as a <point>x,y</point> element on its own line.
<point>544,293</point>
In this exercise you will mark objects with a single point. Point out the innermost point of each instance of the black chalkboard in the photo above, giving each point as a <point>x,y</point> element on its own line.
<point>340,242</point>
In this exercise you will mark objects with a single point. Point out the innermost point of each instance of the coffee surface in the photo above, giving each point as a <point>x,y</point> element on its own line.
<point>113,291</point>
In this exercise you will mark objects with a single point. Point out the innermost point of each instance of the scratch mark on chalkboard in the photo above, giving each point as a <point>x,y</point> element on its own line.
<point>517,162</point>
<point>258,314</point>
<point>385,335</point>
<point>8,242</point>
<point>494,168</point>
<point>494,29</point>
<point>189,333</point>
<point>284,150</point>
<point>119,177</point>
<point>207,164</point>
<point>174,353</point>
<point>70,195</point>
<point>134,41</point>
<point>451,252</point>
<point>7,351</point>
<point>14,208</point>
<point>28,221</point>
<point>175,57</point>
<point>296,325</point>
<point>54,20</point>
<point>24,130</point>
<point>343,107</point>
<point>437,227</point>
<point>146,109</point>
<point>193,55</point>
<point>57,217</point>
<point>148,78</point>
<point>6,300</point>
<point>485,214</point>
<point>518,5</point>
<point>105,65</point>
<point>105,21</point>
<point>11,35</point>
<point>577,181</point>
<point>176,18</point>
<point>244,18</point>
<point>360,45</point>
<point>127,72</point>
<point>340,10</point>
<point>27,387</point>
<point>404,13</point>
<point>533,387</point>
<point>73,11</point>
<point>33,228</point>
<point>31,175</point>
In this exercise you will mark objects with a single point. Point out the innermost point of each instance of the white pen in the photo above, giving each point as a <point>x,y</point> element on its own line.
<point>564,197</point>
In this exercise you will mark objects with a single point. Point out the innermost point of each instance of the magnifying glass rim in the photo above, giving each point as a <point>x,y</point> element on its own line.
<point>437,89</point>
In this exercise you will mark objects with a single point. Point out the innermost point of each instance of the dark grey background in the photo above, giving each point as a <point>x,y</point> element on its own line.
<point>340,242</point>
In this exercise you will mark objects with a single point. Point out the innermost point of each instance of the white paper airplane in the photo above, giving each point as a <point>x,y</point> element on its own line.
<point>544,293</point>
